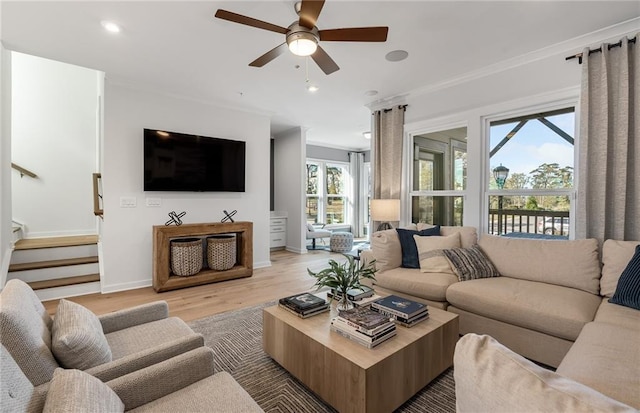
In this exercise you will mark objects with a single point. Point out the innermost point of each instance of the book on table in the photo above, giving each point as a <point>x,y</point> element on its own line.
<point>364,317</point>
<point>402,307</point>
<point>361,338</point>
<point>353,294</point>
<point>366,302</point>
<point>352,327</point>
<point>304,305</point>
<point>404,311</point>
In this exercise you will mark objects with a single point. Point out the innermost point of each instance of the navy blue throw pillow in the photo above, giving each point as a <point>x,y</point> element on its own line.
<point>408,244</point>
<point>628,288</point>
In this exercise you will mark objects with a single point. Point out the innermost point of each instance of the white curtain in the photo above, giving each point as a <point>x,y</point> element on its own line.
<point>609,153</point>
<point>356,163</point>
<point>386,154</point>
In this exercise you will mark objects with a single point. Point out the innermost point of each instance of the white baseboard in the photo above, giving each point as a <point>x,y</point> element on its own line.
<point>296,250</point>
<point>126,286</point>
<point>262,264</point>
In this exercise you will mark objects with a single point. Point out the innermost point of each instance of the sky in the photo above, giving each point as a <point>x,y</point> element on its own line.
<point>533,145</point>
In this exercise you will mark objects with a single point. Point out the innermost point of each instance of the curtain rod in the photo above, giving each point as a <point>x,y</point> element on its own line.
<point>403,107</point>
<point>599,49</point>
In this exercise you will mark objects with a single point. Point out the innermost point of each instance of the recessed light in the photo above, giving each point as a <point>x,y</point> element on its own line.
<point>397,55</point>
<point>367,135</point>
<point>110,26</point>
<point>312,88</point>
<point>371,92</point>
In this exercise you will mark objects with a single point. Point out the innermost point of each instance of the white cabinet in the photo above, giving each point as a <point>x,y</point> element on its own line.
<point>278,232</point>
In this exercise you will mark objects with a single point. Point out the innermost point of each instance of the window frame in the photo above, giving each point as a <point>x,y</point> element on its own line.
<point>323,196</point>
<point>487,177</point>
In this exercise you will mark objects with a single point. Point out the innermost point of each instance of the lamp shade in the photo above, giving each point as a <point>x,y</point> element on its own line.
<point>385,209</point>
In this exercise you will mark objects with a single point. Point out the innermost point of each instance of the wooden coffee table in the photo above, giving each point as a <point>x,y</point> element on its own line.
<point>350,377</point>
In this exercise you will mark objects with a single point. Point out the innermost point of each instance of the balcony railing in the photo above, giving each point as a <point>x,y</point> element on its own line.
<point>524,221</point>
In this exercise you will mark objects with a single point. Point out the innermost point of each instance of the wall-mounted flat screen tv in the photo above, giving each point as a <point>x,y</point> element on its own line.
<point>181,162</point>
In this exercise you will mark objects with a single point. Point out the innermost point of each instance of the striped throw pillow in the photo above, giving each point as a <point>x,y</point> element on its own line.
<point>470,263</point>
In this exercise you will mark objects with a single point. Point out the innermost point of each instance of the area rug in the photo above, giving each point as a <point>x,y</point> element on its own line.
<point>236,338</point>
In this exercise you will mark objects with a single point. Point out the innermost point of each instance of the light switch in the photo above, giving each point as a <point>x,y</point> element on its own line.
<point>128,202</point>
<point>154,202</point>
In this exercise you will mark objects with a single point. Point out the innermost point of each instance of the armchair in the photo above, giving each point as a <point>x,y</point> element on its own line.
<point>183,383</point>
<point>106,347</point>
<point>313,234</point>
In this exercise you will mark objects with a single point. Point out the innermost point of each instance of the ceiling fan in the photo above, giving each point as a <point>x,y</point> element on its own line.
<point>302,36</point>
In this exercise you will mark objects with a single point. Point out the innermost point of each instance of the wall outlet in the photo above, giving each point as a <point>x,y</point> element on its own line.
<point>154,202</point>
<point>128,202</point>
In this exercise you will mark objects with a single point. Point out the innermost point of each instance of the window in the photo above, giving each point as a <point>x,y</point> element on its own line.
<point>439,177</point>
<point>313,191</point>
<point>327,192</point>
<point>537,150</point>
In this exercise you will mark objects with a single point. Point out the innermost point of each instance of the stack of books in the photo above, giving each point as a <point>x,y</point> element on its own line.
<point>405,312</point>
<point>304,305</point>
<point>354,294</point>
<point>364,326</point>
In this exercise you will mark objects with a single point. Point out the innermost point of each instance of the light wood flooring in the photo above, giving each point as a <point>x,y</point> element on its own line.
<point>286,276</point>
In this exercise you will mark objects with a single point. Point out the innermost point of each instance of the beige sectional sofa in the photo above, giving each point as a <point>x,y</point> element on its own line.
<point>549,304</point>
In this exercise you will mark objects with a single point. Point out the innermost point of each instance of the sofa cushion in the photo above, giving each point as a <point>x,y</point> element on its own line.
<point>77,391</point>
<point>386,249</point>
<point>25,333</point>
<point>615,258</point>
<point>628,289</point>
<point>430,286</point>
<point>606,358</point>
<point>408,244</point>
<point>219,390</point>
<point>468,235</point>
<point>144,336</point>
<point>546,308</point>
<point>491,378</point>
<point>78,339</point>
<point>618,315</point>
<point>572,264</point>
<point>470,263</point>
<point>430,254</point>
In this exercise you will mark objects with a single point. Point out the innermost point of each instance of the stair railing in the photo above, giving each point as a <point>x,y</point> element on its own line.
<point>97,196</point>
<point>23,171</point>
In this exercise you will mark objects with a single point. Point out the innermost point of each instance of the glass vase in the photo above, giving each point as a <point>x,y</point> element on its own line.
<point>344,303</point>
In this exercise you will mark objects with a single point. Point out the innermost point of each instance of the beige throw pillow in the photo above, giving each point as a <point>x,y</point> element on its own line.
<point>430,254</point>
<point>491,378</point>
<point>77,391</point>
<point>78,341</point>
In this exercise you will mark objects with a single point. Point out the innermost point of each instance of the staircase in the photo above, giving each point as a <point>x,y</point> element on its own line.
<point>57,267</point>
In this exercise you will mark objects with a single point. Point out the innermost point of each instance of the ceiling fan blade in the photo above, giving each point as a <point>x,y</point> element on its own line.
<point>269,56</point>
<point>249,21</point>
<point>355,34</point>
<point>309,12</point>
<point>325,62</point>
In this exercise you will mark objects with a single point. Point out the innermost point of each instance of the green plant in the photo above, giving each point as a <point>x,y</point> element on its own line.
<point>344,276</point>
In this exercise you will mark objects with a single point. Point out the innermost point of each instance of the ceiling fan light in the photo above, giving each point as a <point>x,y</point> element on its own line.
<point>302,43</point>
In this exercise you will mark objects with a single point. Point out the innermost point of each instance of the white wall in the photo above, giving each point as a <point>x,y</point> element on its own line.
<point>289,193</point>
<point>5,163</point>
<point>54,124</point>
<point>127,232</point>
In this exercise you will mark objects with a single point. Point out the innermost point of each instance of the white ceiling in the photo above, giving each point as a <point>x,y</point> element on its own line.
<point>179,48</point>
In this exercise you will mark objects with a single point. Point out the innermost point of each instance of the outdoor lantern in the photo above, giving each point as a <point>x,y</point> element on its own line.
<point>500,174</point>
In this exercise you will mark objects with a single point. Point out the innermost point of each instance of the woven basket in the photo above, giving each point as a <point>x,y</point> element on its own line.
<point>186,256</point>
<point>221,251</point>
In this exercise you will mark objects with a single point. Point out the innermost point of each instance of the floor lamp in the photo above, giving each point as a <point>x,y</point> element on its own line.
<point>385,210</point>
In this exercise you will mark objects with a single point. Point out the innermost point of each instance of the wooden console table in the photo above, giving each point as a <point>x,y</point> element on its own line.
<point>165,280</point>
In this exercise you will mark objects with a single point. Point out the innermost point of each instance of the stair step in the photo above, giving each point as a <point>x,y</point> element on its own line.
<point>52,263</point>
<point>63,282</point>
<point>54,242</point>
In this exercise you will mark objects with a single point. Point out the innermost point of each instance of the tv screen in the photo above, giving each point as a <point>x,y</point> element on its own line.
<point>181,162</point>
